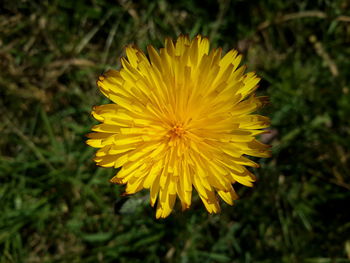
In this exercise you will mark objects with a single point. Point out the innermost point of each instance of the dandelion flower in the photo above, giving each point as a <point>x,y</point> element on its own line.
<point>181,119</point>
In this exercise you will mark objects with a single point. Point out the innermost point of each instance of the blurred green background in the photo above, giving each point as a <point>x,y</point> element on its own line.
<point>57,206</point>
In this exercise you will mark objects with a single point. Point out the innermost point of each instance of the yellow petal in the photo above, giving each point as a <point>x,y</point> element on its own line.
<point>228,195</point>
<point>131,53</point>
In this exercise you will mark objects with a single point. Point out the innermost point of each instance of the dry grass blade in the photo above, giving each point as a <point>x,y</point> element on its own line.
<point>299,15</point>
<point>85,40</point>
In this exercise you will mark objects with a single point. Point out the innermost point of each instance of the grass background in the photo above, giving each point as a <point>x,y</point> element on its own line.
<point>57,206</point>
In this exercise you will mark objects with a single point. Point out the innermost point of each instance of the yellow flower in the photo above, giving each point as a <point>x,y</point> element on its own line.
<point>180,118</point>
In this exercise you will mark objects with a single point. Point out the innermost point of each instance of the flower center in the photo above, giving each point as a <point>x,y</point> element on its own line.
<point>177,131</point>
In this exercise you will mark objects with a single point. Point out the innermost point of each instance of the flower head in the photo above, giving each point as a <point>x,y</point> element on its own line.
<point>181,118</point>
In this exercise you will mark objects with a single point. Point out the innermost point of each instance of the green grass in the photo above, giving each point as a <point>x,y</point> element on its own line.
<point>57,206</point>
